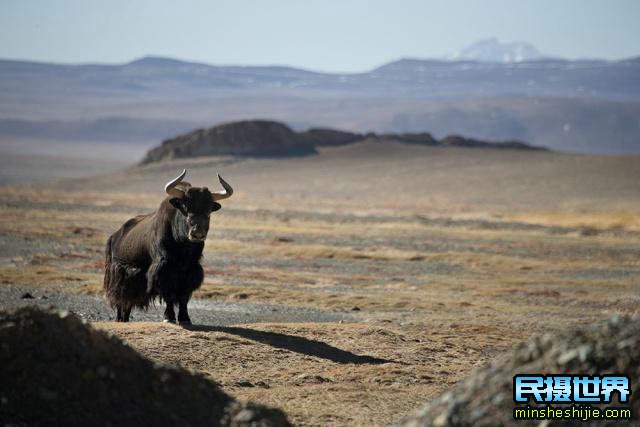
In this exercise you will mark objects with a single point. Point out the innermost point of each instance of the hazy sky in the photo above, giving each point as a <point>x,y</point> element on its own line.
<point>340,35</point>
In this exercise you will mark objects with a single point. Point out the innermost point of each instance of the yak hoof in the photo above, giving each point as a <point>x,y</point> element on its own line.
<point>169,321</point>
<point>185,323</point>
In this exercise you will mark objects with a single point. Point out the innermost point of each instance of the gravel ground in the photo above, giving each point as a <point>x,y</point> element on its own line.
<point>203,312</point>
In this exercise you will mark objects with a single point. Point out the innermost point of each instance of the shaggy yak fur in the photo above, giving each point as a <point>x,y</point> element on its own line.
<point>158,255</point>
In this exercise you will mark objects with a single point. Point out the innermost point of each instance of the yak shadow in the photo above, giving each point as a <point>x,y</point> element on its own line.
<point>295,344</point>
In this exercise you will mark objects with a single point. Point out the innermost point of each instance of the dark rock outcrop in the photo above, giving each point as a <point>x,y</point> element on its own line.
<point>486,397</point>
<point>423,138</point>
<point>248,137</point>
<point>56,370</point>
<point>269,138</point>
<point>461,141</point>
<point>319,137</point>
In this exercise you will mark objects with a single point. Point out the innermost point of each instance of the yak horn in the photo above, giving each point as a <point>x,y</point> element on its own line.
<point>177,186</point>
<point>225,194</point>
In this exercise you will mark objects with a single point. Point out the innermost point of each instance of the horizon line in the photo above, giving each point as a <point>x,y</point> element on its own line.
<point>300,68</point>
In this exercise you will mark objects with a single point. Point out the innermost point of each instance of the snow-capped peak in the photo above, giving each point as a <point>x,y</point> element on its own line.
<point>492,50</point>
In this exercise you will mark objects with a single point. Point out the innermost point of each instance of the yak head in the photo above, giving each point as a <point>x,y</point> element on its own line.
<point>195,205</point>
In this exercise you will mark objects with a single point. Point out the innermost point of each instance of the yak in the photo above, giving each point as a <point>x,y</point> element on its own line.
<point>158,255</point>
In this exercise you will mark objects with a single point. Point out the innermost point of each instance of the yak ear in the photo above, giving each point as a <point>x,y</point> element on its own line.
<point>215,206</point>
<point>177,203</point>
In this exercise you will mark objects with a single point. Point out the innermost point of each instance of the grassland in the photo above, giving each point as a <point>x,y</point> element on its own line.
<point>442,259</point>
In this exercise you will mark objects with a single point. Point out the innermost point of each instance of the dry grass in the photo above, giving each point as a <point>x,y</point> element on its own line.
<point>586,221</point>
<point>46,276</point>
<point>312,251</point>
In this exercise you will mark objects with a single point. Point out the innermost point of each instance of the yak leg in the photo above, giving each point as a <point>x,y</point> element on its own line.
<point>126,312</point>
<point>155,276</point>
<point>183,312</point>
<point>191,282</point>
<point>169,313</point>
<point>159,278</point>
<point>122,313</point>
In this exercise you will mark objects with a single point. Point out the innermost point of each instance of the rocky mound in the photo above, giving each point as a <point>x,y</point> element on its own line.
<point>461,141</point>
<point>423,138</point>
<point>486,397</point>
<point>56,370</point>
<point>318,137</point>
<point>249,137</point>
<point>269,138</point>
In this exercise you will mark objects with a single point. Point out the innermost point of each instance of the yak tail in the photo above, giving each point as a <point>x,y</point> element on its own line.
<point>107,265</point>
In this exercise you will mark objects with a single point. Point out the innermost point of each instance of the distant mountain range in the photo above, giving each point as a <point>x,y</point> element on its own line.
<point>405,78</point>
<point>494,91</point>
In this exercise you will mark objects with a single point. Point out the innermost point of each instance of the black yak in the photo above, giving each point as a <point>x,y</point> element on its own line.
<point>158,254</point>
